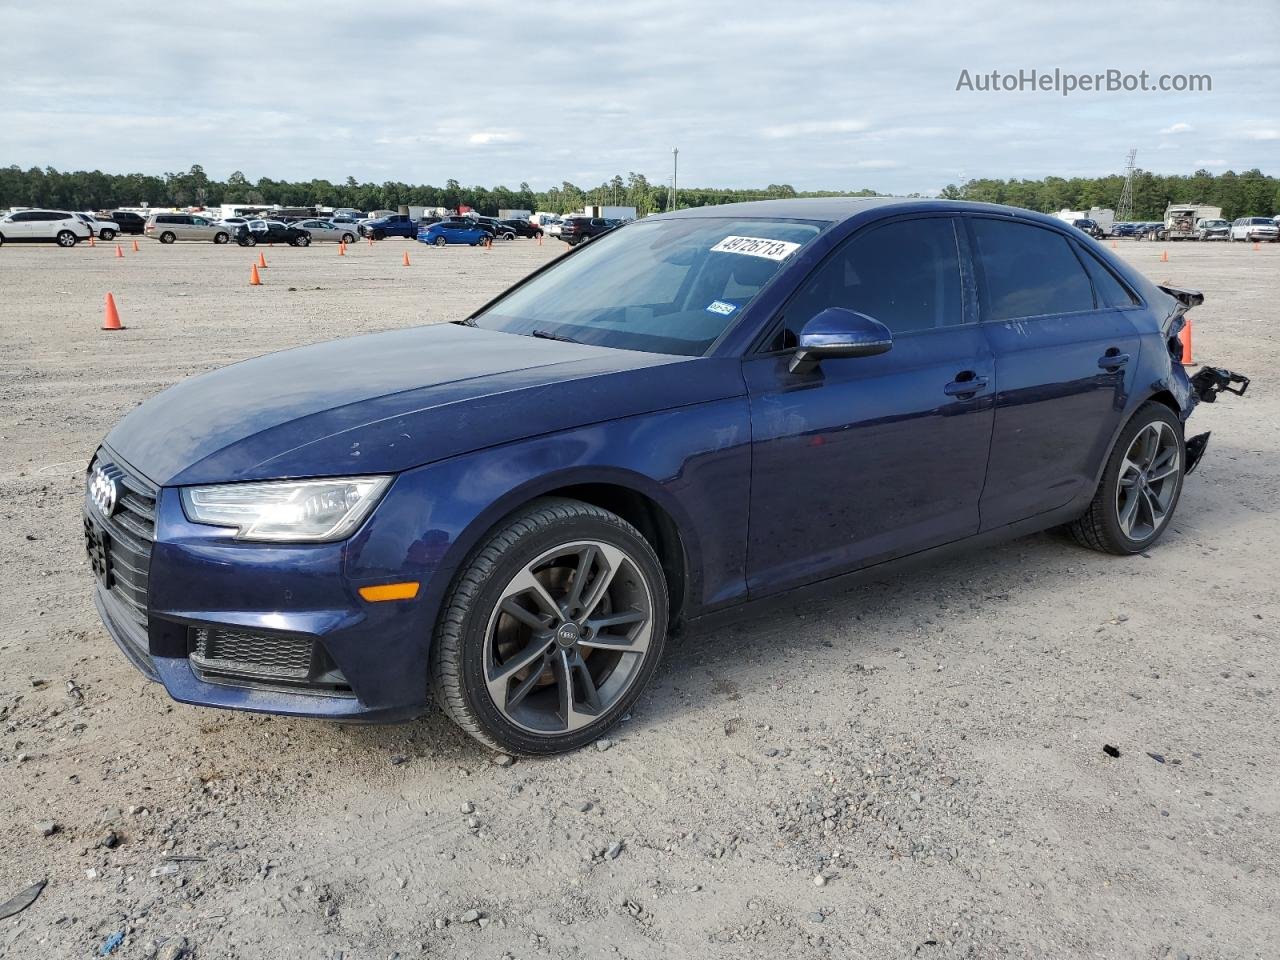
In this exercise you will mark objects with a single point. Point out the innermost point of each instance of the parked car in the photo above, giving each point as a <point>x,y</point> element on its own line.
<point>128,221</point>
<point>171,227</point>
<point>698,409</point>
<point>325,230</point>
<point>36,226</point>
<point>500,230</point>
<point>271,231</point>
<point>576,230</point>
<point>1151,230</point>
<point>553,227</point>
<point>1090,227</point>
<point>1123,229</point>
<point>1254,229</point>
<point>453,231</point>
<point>523,228</point>
<point>1213,230</point>
<point>395,225</point>
<point>100,227</point>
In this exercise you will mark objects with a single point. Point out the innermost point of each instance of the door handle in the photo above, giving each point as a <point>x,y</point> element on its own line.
<point>1113,359</point>
<point>965,385</point>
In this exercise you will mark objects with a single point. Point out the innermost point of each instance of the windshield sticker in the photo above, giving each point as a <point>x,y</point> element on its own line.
<point>757,247</point>
<point>720,307</point>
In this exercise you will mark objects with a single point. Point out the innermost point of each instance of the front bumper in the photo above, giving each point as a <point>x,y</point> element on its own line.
<point>367,661</point>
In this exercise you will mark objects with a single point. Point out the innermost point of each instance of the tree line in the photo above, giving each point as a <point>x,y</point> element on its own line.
<point>1239,194</point>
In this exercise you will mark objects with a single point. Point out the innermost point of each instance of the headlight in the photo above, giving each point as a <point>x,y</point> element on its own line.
<point>286,510</point>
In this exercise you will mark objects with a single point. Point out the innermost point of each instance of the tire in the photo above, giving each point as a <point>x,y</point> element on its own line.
<point>302,241</point>
<point>66,238</point>
<point>249,241</point>
<point>477,637</point>
<point>441,242</point>
<point>1103,527</point>
<point>107,235</point>
<point>348,238</point>
<point>1,239</point>
<point>167,237</point>
<point>379,235</point>
<point>221,237</point>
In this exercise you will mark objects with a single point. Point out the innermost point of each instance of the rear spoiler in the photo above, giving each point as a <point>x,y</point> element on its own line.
<point>1188,298</point>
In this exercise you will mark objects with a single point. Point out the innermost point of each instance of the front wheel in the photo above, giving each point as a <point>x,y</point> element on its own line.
<point>107,235</point>
<point>1140,486</point>
<point>552,629</point>
<point>378,235</point>
<point>348,238</point>
<point>249,241</point>
<point>221,237</point>
<point>66,238</point>
<point>441,241</point>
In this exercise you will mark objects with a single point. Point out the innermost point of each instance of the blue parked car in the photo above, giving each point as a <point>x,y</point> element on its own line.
<point>452,231</point>
<point>694,413</point>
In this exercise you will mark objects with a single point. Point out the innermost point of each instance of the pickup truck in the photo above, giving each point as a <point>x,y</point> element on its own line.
<point>396,225</point>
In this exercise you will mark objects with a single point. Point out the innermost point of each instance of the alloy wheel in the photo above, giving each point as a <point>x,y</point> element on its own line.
<point>568,637</point>
<point>1148,483</point>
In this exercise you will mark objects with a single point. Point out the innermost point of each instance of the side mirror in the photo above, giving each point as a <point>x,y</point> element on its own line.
<point>839,332</point>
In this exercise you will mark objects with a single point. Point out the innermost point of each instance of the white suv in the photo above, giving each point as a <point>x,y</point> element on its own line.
<point>56,226</point>
<point>102,228</point>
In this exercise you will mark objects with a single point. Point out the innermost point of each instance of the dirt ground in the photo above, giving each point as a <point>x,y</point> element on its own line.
<point>914,768</point>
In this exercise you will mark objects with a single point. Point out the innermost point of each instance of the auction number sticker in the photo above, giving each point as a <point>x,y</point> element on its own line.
<point>757,247</point>
<point>721,308</point>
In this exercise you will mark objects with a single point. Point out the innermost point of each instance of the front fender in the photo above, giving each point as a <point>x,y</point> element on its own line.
<point>693,461</point>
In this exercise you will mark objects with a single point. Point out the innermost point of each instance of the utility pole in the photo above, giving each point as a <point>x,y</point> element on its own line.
<point>675,167</point>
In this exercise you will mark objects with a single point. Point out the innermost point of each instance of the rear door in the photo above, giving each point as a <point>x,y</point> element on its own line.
<point>870,458</point>
<point>1066,355</point>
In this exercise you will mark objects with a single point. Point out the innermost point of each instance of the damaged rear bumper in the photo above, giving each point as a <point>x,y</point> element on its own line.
<point>1207,383</point>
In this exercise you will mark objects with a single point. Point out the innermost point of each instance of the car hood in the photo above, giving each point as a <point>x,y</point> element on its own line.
<point>391,401</point>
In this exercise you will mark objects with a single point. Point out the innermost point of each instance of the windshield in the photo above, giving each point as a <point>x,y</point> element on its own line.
<point>662,286</point>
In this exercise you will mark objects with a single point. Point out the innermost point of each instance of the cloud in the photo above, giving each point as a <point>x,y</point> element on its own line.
<point>494,136</point>
<point>814,128</point>
<point>812,93</point>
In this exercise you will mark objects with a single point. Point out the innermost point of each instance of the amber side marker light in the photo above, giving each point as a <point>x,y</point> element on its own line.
<point>390,591</point>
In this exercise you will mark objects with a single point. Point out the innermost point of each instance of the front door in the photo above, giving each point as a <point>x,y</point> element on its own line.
<point>871,458</point>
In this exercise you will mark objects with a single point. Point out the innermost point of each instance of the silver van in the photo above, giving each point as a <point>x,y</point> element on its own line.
<point>170,227</point>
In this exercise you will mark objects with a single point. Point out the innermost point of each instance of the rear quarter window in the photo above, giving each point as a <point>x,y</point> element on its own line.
<point>1029,271</point>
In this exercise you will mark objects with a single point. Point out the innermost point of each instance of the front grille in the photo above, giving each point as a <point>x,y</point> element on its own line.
<point>255,654</point>
<point>265,660</point>
<point>130,531</point>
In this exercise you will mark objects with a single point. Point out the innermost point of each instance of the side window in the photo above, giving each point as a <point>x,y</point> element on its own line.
<point>1111,292</point>
<point>906,274</point>
<point>1030,271</point>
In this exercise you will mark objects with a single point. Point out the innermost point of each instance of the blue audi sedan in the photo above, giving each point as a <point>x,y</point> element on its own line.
<point>695,412</point>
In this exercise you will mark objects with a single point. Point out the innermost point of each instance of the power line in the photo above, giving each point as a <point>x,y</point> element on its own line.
<point>1124,211</point>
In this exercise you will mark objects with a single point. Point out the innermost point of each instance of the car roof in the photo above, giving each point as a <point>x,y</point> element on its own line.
<point>839,209</point>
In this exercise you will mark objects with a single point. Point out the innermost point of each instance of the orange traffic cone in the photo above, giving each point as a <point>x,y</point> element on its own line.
<point>1164,256</point>
<point>406,258</point>
<point>119,252</point>
<point>262,261</point>
<point>254,279</point>
<point>110,318</point>
<point>1184,335</point>
<point>342,249</point>
<point>1256,246</point>
<point>371,241</point>
<point>1113,245</point>
<point>135,246</point>
<point>91,243</point>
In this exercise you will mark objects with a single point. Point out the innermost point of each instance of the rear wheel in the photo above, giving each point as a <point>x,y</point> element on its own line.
<point>552,629</point>
<point>348,238</point>
<point>66,238</point>
<point>303,241</point>
<point>1140,486</point>
<point>441,241</point>
<point>167,237</point>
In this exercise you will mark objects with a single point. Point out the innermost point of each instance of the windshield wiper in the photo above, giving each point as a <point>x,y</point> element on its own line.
<point>548,335</point>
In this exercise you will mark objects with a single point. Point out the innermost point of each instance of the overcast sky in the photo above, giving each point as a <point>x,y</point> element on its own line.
<point>835,95</point>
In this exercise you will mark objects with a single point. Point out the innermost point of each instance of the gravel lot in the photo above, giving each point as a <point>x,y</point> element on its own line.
<point>911,769</point>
